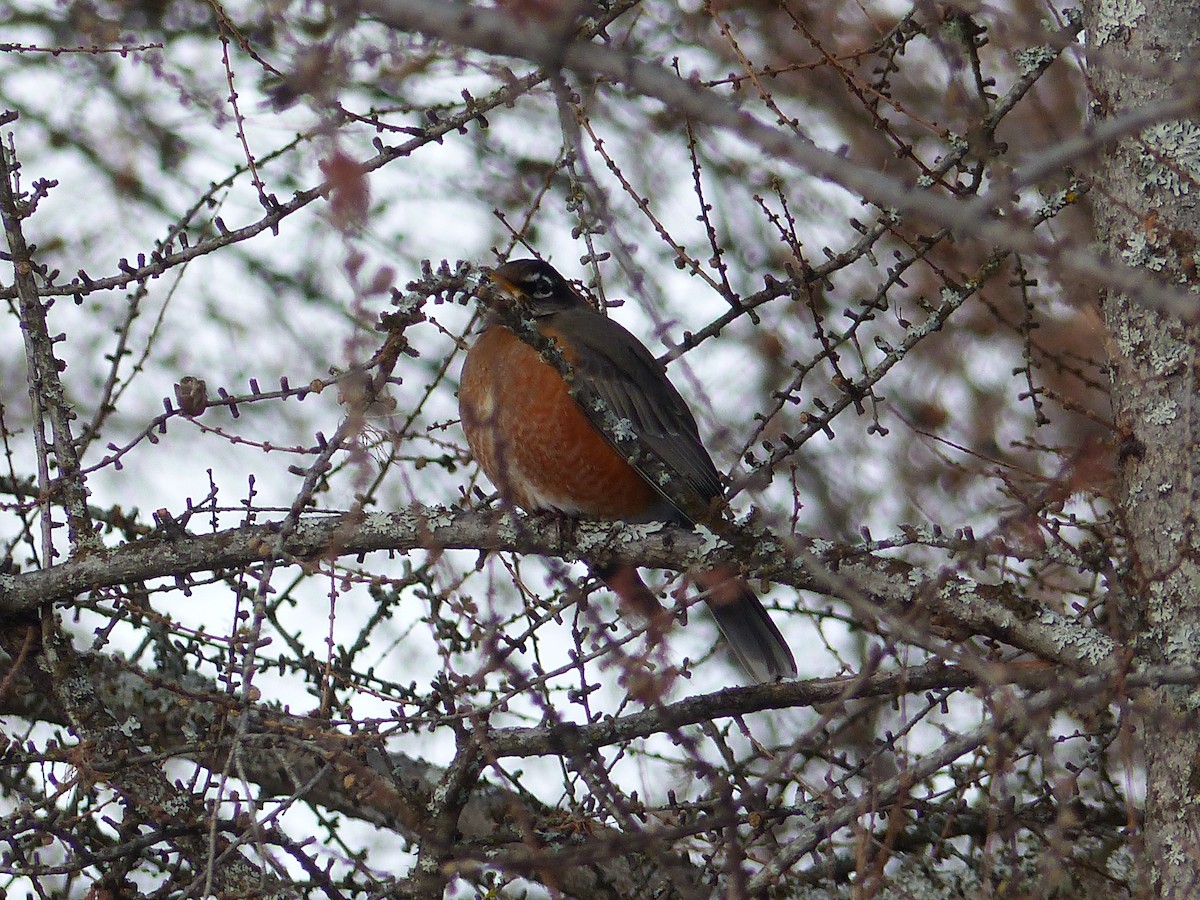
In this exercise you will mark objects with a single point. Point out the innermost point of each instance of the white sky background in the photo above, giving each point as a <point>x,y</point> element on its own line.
<point>224,323</point>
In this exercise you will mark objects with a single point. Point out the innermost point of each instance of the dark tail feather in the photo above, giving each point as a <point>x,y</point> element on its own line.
<point>755,640</point>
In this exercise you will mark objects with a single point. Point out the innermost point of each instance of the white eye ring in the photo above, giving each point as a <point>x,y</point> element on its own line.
<point>541,287</point>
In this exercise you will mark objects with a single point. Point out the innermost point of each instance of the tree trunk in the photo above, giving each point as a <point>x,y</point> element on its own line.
<point>1147,188</point>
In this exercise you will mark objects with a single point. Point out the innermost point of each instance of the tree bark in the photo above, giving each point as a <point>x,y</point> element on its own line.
<point>1146,216</point>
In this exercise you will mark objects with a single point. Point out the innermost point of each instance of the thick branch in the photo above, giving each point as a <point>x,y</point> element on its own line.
<point>313,761</point>
<point>893,586</point>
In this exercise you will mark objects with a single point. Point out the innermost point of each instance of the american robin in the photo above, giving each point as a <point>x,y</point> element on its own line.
<point>538,446</point>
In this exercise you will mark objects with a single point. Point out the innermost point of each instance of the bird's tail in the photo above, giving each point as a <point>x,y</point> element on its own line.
<point>754,638</point>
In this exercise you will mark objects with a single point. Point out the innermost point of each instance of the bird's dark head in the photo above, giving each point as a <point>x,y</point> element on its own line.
<point>535,286</point>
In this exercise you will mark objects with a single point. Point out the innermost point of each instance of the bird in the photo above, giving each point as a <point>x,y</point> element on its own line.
<point>540,448</point>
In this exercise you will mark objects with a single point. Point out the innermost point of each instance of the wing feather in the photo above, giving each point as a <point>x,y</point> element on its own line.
<point>620,370</point>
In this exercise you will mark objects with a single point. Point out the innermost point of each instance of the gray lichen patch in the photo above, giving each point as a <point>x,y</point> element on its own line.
<point>1087,644</point>
<point>594,537</point>
<point>1140,250</point>
<point>1170,157</point>
<point>1032,59</point>
<point>1116,18</point>
<point>1162,413</point>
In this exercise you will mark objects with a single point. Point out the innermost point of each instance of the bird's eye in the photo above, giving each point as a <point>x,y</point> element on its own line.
<point>541,286</point>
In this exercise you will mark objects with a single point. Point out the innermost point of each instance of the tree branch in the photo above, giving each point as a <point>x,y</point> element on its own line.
<point>45,388</point>
<point>313,761</point>
<point>891,586</point>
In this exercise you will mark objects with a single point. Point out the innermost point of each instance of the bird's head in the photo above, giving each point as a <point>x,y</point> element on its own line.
<point>534,286</point>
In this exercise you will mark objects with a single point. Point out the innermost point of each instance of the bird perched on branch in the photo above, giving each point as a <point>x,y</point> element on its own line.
<point>534,408</point>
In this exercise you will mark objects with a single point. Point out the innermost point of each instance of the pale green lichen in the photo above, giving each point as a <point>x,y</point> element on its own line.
<point>1140,251</point>
<point>767,547</point>
<point>439,518</point>
<point>623,430</point>
<point>1182,643</point>
<point>1179,638</point>
<point>916,332</point>
<point>178,805</point>
<point>1065,555</point>
<point>1033,59</point>
<point>921,534</point>
<point>593,537</point>
<point>710,540</point>
<point>1170,157</point>
<point>79,686</point>
<point>1129,338</point>
<point>1115,18</point>
<point>913,881</point>
<point>1121,864</point>
<point>1169,357</point>
<point>1057,202</point>
<point>1088,644</point>
<point>1162,413</point>
<point>376,522</point>
<point>508,527</point>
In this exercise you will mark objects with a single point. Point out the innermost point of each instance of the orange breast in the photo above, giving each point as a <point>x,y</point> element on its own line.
<point>532,440</point>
